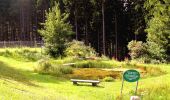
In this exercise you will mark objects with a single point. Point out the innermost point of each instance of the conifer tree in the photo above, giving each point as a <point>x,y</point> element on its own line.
<point>158,28</point>
<point>56,31</point>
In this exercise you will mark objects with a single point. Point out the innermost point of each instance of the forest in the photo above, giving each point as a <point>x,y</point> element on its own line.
<point>106,25</point>
<point>84,49</point>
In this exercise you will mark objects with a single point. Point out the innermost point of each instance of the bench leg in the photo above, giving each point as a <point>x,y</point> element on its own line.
<point>74,83</point>
<point>94,84</point>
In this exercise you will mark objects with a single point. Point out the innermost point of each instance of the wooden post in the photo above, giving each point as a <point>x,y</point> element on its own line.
<point>136,88</point>
<point>122,87</point>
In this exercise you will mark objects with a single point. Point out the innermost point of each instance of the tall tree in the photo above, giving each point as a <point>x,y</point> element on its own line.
<point>56,31</point>
<point>158,28</point>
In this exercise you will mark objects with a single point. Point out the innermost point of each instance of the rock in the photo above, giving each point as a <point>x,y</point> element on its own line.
<point>135,98</point>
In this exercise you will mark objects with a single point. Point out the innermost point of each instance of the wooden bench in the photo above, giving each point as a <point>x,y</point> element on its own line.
<point>69,64</point>
<point>94,82</point>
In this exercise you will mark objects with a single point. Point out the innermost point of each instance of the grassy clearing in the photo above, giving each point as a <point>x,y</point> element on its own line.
<point>18,81</point>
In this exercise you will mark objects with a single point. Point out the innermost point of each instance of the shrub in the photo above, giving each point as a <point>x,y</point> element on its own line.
<point>103,57</point>
<point>146,52</point>
<point>79,49</point>
<point>65,69</point>
<point>157,53</point>
<point>46,66</point>
<point>43,66</point>
<point>108,79</point>
<point>137,49</point>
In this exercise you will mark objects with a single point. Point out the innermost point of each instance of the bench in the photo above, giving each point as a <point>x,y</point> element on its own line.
<point>94,82</point>
<point>69,64</point>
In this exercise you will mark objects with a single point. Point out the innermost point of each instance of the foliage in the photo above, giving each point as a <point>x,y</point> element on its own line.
<point>158,28</point>
<point>137,49</point>
<point>45,66</point>
<point>79,49</point>
<point>108,79</point>
<point>93,64</point>
<point>25,54</point>
<point>56,31</point>
<point>146,52</point>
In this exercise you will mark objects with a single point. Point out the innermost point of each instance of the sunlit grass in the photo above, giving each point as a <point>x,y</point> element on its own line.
<point>16,74</point>
<point>14,49</point>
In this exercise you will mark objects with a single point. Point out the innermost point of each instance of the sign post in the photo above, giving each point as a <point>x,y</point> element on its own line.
<point>131,76</point>
<point>122,86</point>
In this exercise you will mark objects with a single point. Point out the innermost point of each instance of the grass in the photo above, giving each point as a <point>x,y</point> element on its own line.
<point>24,54</point>
<point>18,81</point>
<point>47,66</point>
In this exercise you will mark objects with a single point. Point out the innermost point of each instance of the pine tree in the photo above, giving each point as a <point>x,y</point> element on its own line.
<point>158,28</point>
<point>56,31</point>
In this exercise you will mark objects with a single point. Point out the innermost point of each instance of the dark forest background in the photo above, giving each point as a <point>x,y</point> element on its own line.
<point>106,25</point>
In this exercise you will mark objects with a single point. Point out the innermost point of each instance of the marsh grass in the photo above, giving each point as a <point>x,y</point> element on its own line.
<point>93,73</point>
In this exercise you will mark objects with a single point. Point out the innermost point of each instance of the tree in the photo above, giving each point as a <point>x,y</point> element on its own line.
<point>56,31</point>
<point>158,28</point>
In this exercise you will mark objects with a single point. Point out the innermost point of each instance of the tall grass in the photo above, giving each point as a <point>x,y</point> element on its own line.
<point>47,66</point>
<point>24,54</point>
<point>157,91</point>
<point>94,64</point>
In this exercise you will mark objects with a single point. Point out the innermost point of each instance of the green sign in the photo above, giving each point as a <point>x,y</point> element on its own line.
<point>131,75</point>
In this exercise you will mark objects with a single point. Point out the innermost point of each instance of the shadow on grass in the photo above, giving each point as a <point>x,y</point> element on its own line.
<point>45,78</point>
<point>89,85</point>
<point>7,72</point>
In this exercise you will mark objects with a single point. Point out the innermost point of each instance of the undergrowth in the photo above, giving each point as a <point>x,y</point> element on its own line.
<point>47,66</point>
<point>23,54</point>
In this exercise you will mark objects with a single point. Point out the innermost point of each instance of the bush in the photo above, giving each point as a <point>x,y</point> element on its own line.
<point>137,49</point>
<point>108,79</point>
<point>43,66</point>
<point>65,69</point>
<point>156,53</point>
<point>46,66</point>
<point>146,52</point>
<point>79,49</point>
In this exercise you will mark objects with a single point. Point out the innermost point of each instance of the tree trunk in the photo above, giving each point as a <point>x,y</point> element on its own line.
<point>103,14</point>
<point>116,37</point>
<point>75,13</point>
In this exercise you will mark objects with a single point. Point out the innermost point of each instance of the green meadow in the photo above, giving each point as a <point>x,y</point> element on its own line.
<point>19,81</point>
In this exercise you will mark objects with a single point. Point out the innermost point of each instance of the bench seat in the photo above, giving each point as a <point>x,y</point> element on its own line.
<point>94,82</point>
